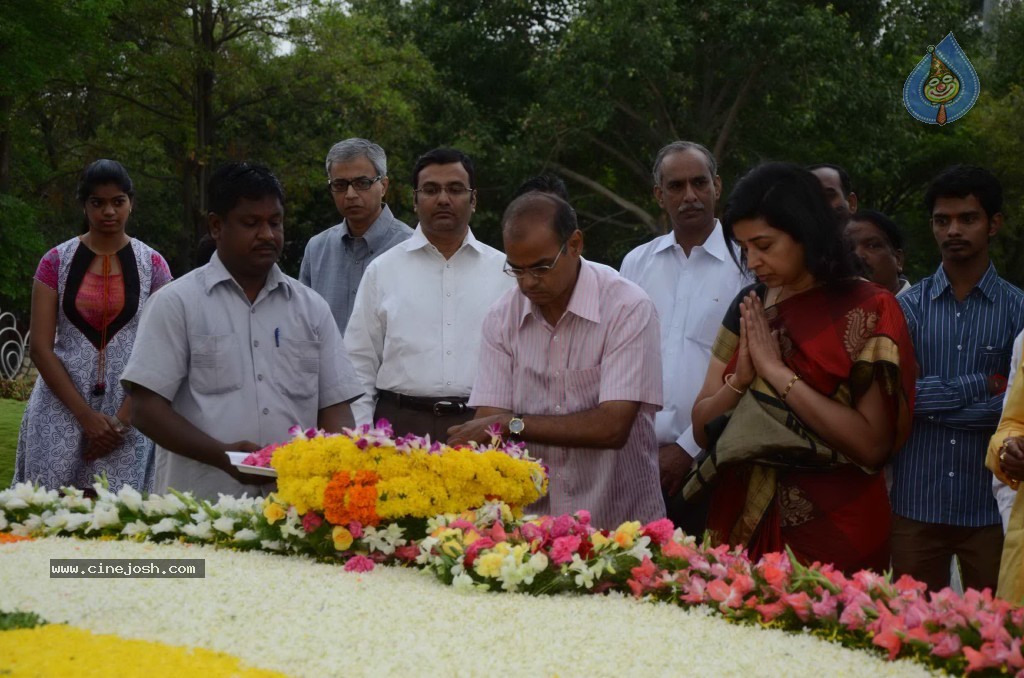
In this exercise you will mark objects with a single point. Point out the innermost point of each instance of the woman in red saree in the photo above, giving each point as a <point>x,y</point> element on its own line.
<point>815,369</point>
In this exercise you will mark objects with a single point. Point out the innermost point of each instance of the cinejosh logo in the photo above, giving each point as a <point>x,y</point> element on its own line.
<point>943,86</point>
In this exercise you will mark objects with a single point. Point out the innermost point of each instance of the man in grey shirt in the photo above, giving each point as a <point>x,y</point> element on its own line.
<point>236,352</point>
<point>335,259</point>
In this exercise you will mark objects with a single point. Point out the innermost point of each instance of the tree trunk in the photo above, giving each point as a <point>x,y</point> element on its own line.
<point>6,112</point>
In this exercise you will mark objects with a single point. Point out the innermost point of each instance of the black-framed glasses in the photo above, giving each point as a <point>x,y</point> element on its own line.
<point>535,271</point>
<point>359,183</point>
<point>455,190</point>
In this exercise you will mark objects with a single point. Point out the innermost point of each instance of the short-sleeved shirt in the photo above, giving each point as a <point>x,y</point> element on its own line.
<point>605,347</point>
<point>335,261</point>
<point>237,370</point>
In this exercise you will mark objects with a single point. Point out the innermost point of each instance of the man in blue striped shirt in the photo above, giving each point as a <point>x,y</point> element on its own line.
<point>963,320</point>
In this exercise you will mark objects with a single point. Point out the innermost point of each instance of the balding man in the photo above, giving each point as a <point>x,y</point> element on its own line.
<point>692,277</point>
<point>570,363</point>
<point>835,181</point>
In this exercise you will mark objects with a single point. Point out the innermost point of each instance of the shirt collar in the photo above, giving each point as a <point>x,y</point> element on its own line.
<point>988,285</point>
<point>584,301</point>
<point>715,244</point>
<point>418,240</point>
<point>377,234</point>
<point>216,273</point>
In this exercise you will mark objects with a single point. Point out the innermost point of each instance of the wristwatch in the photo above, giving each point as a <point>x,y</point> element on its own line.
<point>516,426</point>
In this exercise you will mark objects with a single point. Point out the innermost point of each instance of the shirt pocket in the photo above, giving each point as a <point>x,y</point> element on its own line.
<point>215,363</point>
<point>994,360</point>
<point>582,389</point>
<point>704,330</point>
<point>297,367</point>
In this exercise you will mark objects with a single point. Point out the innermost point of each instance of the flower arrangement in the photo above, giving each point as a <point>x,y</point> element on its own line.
<point>368,477</point>
<point>394,621</point>
<point>489,548</point>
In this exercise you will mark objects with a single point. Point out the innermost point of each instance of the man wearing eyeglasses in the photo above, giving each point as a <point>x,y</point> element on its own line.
<point>570,363</point>
<point>414,334</point>
<point>336,259</point>
<point>691,276</point>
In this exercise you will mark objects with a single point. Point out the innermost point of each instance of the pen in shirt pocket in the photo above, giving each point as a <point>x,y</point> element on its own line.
<point>277,337</point>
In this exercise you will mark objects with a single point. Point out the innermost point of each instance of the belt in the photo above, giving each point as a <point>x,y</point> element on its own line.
<point>438,406</point>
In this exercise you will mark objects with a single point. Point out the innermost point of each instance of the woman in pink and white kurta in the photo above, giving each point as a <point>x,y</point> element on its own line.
<point>87,297</point>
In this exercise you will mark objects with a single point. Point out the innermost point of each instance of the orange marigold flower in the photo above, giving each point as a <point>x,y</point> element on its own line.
<point>352,499</point>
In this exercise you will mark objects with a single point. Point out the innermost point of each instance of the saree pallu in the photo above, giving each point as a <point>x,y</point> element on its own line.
<point>778,483</point>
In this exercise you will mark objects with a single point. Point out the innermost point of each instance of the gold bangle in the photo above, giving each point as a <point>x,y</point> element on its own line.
<point>728,382</point>
<point>789,386</point>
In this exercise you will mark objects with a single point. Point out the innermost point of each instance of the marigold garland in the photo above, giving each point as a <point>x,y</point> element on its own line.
<point>411,476</point>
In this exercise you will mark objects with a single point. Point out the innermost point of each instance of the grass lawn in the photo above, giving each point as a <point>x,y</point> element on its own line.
<point>10,420</point>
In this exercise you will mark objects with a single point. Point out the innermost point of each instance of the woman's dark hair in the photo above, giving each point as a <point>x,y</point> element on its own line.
<point>790,199</point>
<point>104,172</point>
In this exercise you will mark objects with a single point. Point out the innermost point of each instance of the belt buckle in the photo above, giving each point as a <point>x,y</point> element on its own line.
<point>439,404</point>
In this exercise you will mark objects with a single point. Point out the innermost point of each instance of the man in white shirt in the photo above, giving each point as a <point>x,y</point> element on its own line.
<point>414,334</point>
<point>692,278</point>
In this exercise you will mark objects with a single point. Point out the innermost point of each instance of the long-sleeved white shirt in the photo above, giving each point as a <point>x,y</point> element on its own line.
<point>415,326</point>
<point>692,295</point>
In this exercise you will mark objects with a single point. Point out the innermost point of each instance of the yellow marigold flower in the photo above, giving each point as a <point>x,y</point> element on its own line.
<point>342,538</point>
<point>273,512</point>
<point>599,540</point>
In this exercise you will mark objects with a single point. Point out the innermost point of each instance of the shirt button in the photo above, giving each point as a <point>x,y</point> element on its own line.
<point>959,347</point>
<point>252,310</point>
<point>558,374</point>
<point>449,324</point>
<point>448,294</point>
<point>449,352</point>
<point>266,411</point>
<point>256,343</point>
<point>449,383</point>
<point>558,408</point>
<point>957,315</point>
<point>447,265</point>
<point>259,377</point>
<point>952,442</point>
<point>931,417</point>
<point>951,474</point>
<point>554,338</point>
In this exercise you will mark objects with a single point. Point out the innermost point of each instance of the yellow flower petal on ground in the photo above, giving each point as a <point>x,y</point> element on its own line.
<point>59,650</point>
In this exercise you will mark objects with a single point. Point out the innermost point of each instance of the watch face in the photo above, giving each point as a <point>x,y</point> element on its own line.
<point>516,426</point>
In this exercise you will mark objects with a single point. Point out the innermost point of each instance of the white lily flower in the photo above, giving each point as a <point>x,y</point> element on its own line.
<point>135,528</point>
<point>225,524</point>
<point>131,498</point>
<point>200,530</point>
<point>166,525</point>
<point>246,535</point>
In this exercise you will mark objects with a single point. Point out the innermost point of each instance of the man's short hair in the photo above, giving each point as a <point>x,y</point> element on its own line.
<point>884,224</point>
<point>443,156</point>
<point>355,148</point>
<point>233,181</point>
<point>844,176</point>
<point>544,205</point>
<point>679,147</point>
<point>960,181</point>
<point>545,183</point>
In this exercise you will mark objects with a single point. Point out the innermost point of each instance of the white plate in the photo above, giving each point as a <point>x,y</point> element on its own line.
<point>238,457</point>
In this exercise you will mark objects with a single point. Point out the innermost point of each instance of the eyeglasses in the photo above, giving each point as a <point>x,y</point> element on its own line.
<point>359,183</point>
<point>453,190</point>
<point>535,271</point>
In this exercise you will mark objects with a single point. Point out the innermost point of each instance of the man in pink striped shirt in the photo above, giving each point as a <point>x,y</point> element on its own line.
<point>570,363</point>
